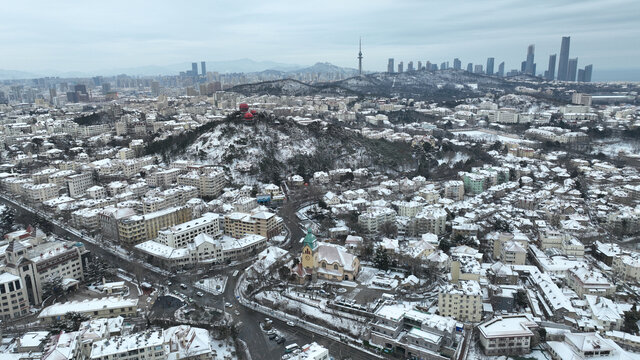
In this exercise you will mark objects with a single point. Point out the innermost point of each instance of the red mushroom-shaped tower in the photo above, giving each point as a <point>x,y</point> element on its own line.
<point>248,116</point>
<point>244,107</point>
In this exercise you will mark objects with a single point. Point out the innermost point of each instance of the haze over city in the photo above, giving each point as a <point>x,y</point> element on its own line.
<point>101,38</point>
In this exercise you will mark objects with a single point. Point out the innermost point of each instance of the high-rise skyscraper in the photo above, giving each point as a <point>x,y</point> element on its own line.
<point>444,66</point>
<point>419,65</point>
<point>588,71</point>
<point>501,69</point>
<point>572,69</point>
<point>428,65</point>
<point>478,69</point>
<point>457,64</point>
<point>203,67</point>
<point>528,69</point>
<point>410,66</point>
<point>490,62</point>
<point>563,63</point>
<point>580,75</point>
<point>360,57</point>
<point>194,69</point>
<point>470,67</point>
<point>551,70</point>
<point>390,66</point>
<point>400,67</point>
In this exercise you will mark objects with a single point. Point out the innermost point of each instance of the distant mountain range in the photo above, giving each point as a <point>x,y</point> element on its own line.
<point>223,67</point>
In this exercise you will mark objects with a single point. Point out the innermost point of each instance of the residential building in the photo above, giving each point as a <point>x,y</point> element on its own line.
<point>507,335</point>
<point>462,301</point>
<point>589,281</point>
<point>262,223</point>
<point>79,183</point>
<point>179,235</point>
<point>13,298</point>
<point>138,228</point>
<point>41,264</point>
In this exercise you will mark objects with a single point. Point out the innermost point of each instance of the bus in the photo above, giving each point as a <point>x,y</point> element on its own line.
<point>291,348</point>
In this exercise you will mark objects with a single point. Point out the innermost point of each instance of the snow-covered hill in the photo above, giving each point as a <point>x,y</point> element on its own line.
<point>268,150</point>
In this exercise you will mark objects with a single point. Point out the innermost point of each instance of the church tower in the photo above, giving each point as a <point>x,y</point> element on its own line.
<point>309,256</point>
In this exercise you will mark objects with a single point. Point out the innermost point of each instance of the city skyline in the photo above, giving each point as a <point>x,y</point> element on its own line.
<point>85,43</point>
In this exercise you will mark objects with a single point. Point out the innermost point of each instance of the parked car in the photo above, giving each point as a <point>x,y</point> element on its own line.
<point>291,323</point>
<point>184,286</point>
<point>228,305</point>
<point>281,340</point>
<point>273,336</point>
<point>199,293</point>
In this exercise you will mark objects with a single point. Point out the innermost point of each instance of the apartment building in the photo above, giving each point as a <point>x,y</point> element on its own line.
<point>209,184</point>
<point>138,228</point>
<point>78,184</point>
<point>454,189</point>
<point>50,260</point>
<point>462,301</point>
<point>38,193</point>
<point>431,219</point>
<point>422,335</point>
<point>13,298</point>
<point>589,281</point>
<point>262,223</point>
<point>180,235</point>
<point>96,192</point>
<point>507,335</point>
<point>375,217</point>
<point>163,177</point>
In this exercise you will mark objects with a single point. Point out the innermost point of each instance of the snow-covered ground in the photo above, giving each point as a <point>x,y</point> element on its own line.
<point>223,349</point>
<point>612,149</point>
<point>214,285</point>
<point>487,136</point>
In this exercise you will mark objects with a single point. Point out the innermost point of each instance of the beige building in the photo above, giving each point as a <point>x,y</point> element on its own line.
<point>13,298</point>
<point>183,234</point>
<point>507,335</point>
<point>262,223</point>
<point>38,265</point>
<point>40,192</point>
<point>462,301</point>
<point>78,184</point>
<point>589,281</point>
<point>136,229</point>
<point>454,190</point>
<point>209,184</point>
<point>627,266</point>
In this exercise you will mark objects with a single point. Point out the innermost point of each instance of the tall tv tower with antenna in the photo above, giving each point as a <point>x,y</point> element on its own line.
<point>360,58</point>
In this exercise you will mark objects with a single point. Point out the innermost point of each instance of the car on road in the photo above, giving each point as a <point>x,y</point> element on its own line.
<point>199,293</point>
<point>184,286</point>
<point>169,283</point>
<point>236,312</point>
<point>281,340</point>
<point>235,273</point>
<point>273,336</point>
<point>228,305</point>
<point>291,323</point>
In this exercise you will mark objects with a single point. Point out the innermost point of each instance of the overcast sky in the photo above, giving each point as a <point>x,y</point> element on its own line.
<point>71,35</point>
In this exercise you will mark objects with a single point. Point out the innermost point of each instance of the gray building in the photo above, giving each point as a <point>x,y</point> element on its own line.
<point>529,68</point>
<point>490,62</point>
<point>572,69</point>
<point>390,66</point>
<point>551,70</point>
